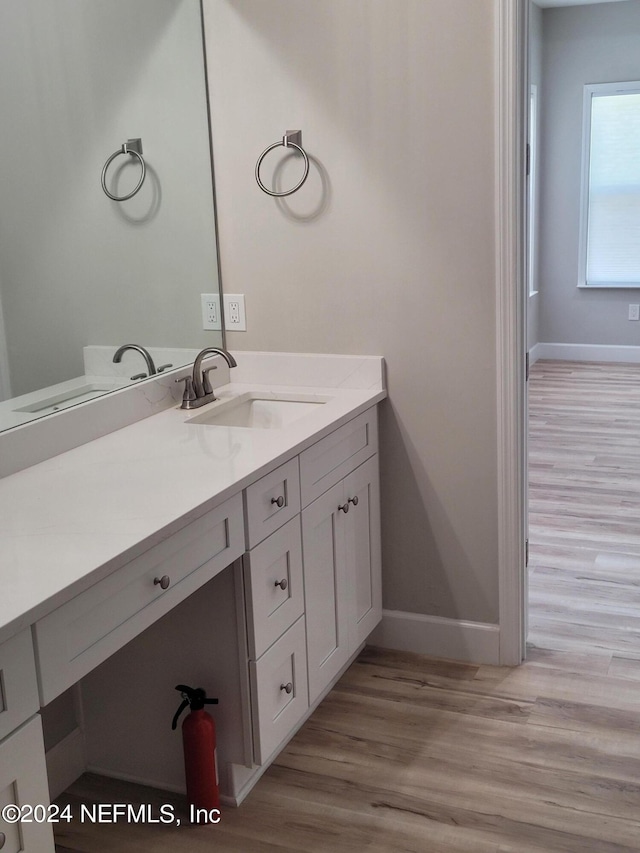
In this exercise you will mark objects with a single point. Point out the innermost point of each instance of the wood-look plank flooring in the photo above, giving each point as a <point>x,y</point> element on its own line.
<point>584,510</point>
<point>418,755</point>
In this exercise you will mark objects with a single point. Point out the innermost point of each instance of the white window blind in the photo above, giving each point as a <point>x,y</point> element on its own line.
<point>611,221</point>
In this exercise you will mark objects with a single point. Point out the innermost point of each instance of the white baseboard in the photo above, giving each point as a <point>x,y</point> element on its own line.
<point>535,353</point>
<point>473,642</point>
<point>65,763</point>
<point>585,352</point>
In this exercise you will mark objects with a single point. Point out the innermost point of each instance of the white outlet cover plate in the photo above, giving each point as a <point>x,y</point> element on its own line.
<point>235,318</point>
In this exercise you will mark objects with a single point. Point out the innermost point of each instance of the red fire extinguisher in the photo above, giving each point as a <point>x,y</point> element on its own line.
<point>199,742</point>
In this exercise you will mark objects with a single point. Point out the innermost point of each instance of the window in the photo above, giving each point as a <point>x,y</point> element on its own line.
<point>610,214</point>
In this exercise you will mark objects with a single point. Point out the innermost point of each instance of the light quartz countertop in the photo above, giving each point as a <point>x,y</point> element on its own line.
<point>69,521</point>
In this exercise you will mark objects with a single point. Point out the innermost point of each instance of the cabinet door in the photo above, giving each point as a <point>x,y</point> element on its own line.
<point>325,589</point>
<point>23,782</point>
<point>363,565</point>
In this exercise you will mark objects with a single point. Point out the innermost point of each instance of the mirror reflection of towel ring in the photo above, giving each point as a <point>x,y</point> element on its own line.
<point>133,147</point>
<point>291,139</point>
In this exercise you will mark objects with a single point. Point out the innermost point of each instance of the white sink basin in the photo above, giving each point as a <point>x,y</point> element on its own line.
<point>256,411</point>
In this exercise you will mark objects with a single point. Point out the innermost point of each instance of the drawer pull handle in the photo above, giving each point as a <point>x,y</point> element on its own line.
<point>282,584</point>
<point>288,688</point>
<point>354,501</point>
<point>344,508</point>
<point>164,581</point>
<point>279,501</point>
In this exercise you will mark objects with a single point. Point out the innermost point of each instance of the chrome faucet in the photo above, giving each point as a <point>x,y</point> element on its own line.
<point>197,388</point>
<point>151,368</point>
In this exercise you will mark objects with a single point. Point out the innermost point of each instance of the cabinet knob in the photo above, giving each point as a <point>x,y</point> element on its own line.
<point>288,688</point>
<point>354,500</point>
<point>279,501</point>
<point>344,507</point>
<point>164,581</point>
<point>3,838</point>
<point>282,584</point>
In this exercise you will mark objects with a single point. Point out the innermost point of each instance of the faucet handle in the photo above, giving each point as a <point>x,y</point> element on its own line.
<point>206,384</point>
<point>189,392</point>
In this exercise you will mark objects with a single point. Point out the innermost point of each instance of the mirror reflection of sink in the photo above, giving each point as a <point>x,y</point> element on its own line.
<point>64,399</point>
<point>256,411</point>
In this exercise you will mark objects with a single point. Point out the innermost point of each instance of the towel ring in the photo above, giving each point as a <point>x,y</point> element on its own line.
<point>291,139</point>
<point>133,147</point>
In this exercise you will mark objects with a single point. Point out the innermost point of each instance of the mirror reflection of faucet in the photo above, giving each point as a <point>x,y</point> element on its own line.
<point>151,368</point>
<point>197,387</point>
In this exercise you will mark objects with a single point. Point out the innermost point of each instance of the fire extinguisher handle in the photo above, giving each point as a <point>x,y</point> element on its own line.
<point>184,704</point>
<point>195,697</point>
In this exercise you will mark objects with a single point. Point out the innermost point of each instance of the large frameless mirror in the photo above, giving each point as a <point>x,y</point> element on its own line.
<point>82,274</point>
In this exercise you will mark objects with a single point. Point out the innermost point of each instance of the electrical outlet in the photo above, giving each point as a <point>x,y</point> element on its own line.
<point>211,319</point>
<point>634,312</point>
<point>235,319</point>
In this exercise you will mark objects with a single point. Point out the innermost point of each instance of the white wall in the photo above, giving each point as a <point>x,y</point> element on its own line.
<point>590,44</point>
<point>395,101</point>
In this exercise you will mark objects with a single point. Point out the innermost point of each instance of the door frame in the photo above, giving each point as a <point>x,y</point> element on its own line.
<point>5,377</point>
<point>511,87</point>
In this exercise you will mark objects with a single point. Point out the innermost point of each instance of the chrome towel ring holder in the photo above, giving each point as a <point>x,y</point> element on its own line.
<point>291,139</point>
<point>133,147</point>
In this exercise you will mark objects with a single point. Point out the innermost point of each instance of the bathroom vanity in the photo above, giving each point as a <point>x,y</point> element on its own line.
<point>245,539</point>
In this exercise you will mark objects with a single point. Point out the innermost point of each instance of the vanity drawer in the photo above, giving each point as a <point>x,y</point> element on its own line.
<point>18,683</point>
<point>264,514</point>
<point>329,460</point>
<point>23,782</point>
<point>274,584</point>
<point>276,712</point>
<point>85,631</point>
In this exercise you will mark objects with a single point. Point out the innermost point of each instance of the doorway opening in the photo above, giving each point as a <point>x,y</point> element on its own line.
<point>584,346</point>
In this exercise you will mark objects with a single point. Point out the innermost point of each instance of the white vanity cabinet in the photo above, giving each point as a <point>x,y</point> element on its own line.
<point>23,773</point>
<point>332,551</point>
<point>341,546</point>
<point>23,783</point>
<point>274,603</point>
<point>302,546</point>
<point>343,599</point>
<point>220,556</point>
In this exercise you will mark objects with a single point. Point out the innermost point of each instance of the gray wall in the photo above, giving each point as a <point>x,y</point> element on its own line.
<point>395,101</point>
<point>582,44</point>
<point>75,267</point>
